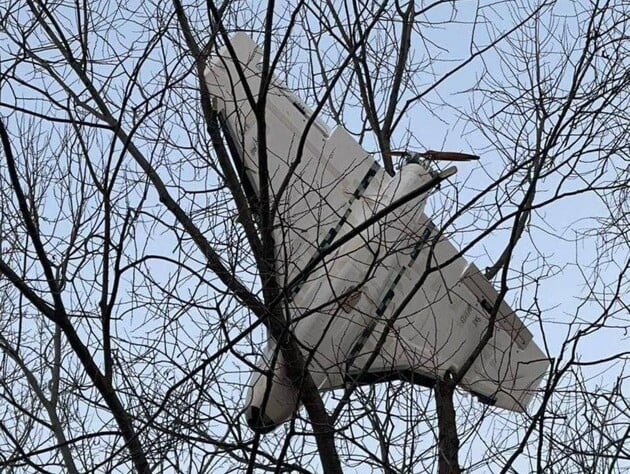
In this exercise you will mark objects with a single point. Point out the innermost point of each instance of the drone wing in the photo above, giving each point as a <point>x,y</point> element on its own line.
<point>314,175</point>
<point>439,307</point>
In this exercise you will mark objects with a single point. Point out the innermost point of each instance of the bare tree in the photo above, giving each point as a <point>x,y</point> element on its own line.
<point>137,272</point>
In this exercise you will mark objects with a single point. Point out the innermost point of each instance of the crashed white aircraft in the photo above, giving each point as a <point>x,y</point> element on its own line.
<point>393,301</point>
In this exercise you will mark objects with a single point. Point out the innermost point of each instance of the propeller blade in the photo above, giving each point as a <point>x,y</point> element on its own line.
<point>448,155</point>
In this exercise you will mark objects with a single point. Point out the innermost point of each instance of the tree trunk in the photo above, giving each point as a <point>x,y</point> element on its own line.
<point>448,442</point>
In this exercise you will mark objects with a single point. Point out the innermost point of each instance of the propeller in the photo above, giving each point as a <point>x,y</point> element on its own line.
<point>434,155</point>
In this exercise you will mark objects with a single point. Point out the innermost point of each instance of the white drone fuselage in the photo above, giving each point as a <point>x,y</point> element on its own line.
<point>396,298</point>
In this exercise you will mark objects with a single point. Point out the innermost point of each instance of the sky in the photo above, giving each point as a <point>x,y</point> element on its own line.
<point>552,234</point>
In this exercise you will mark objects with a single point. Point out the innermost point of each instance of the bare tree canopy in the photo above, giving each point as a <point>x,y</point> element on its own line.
<point>138,278</point>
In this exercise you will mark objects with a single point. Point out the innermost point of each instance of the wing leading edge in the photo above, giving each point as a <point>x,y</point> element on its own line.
<point>397,273</point>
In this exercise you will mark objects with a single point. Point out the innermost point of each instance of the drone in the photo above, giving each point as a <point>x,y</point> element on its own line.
<point>374,291</point>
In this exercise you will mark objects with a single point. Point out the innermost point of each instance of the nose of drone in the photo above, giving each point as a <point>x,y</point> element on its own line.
<point>258,421</point>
